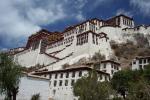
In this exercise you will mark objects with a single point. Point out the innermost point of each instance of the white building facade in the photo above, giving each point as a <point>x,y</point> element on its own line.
<point>61,81</point>
<point>140,62</point>
<point>53,49</point>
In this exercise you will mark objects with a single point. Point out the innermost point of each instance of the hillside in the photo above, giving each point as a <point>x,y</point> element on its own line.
<point>137,44</point>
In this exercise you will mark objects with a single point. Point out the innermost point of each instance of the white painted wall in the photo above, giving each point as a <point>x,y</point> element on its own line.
<point>27,58</point>
<point>30,86</point>
<point>113,33</point>
<point>65,92</point>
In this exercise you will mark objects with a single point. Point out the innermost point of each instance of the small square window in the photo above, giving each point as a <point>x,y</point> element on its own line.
<point>73,74</point>
<point>100,76</point>
<point>67,75</point>
<point>80,73</point>
<point>140,61</point>
<point>61,75</point>
<point>60,83</point>
<point>66,82</point>
<point>55,76</point>
<point>72,82</point>
<point>55,83</point>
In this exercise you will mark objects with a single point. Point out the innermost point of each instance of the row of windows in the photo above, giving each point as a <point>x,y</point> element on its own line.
<point>35,45</point>
<point>66,75</point>
<point>82,39</point>
<point>92,27</point>
<point>114,66</point>
<point>65,82</point>
<point>61,82</point>
<point>127,22</point>
<point>141,61</point>
<point>68,40</point>
<point>76,30</point>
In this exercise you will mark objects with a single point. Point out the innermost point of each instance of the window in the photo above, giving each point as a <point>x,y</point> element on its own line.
<point>93,38</point>
<point>117,67</point>
<point>73,74</point>
<point>80,73</point>
<point>112,66</point>
<point>104,65</point>
<point>100,76</point>
<point>144,60</point>
<point>72,82</point>
<point>55,76</point>
<point>45,75</point>
<point>140,66</point>
<point>67,75</point>
<point>55,83</point>
<point>61,75</point>
<point>140,61</point>
<point>148,60</point>
<point>112,72</point>
<point>66,82</point>
<point>134,62</point>
<point>60,83</point>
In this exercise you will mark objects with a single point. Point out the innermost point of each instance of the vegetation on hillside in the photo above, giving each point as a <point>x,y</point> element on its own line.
<point>132,85</point>
<point>125,85</point>
<point>129,50</point>
<point>89,88</point>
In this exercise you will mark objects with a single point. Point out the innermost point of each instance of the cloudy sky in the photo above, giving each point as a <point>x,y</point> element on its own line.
<point>21,18</point>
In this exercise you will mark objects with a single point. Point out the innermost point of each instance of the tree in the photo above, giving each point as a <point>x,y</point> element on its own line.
<point>139,90</point>
<point>89,88</point>
<point>35,97</point>
<point>146,73</point>
<point>122,79</point>
<point>10,74</point>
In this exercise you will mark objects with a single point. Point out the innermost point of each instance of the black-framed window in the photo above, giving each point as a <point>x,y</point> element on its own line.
<point>80,73</point>
<point>73,74</point>
<point>141,67</point>
<point>134,62</point>
<point>61,75</point>
<point>140,61</point>
<point>144,60</point>
<point>66,82</point>
<point>112,72</point>
<point>55,83</point>
<point>60,83</point>
<point>67,75</point>
<point>104,65</point>
<point>100,76</point>
<point>72,82</point>
<point>56,76</point>
<point>149,60</point>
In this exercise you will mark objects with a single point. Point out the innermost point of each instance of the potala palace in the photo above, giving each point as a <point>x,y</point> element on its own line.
<point>52,50</point>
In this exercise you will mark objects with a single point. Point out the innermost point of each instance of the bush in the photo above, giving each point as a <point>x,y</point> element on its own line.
<point>35,97</point>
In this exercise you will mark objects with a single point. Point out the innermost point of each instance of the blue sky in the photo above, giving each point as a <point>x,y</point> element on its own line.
<point>21,18</point>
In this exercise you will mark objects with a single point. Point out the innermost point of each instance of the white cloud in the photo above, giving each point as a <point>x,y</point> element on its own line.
<point>142,5</point>
<point>80,16</point>
<point>20,18</point>
<point>122,11</point>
